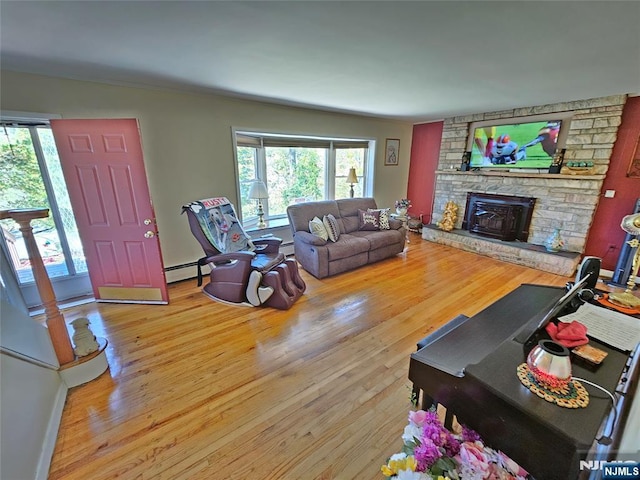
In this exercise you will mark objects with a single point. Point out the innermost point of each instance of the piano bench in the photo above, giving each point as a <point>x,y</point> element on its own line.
<point>432,337</point>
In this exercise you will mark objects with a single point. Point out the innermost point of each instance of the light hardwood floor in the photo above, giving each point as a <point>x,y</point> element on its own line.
<point>197,389</point>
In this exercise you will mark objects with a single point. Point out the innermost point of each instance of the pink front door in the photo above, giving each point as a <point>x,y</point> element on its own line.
<point>104,171</point>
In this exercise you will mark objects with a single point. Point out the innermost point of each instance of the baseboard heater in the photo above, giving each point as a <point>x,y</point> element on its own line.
<point>182,265</point>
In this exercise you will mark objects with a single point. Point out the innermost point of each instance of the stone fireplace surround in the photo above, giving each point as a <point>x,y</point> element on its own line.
<point>566,202</point>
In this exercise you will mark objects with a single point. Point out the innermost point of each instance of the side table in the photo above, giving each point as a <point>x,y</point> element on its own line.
<point>405,223</point>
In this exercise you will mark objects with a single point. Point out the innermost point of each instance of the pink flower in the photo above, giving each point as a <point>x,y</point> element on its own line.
<point>418,418</point>
<point>471,455</point>
<point>507,463</point>
<point>511,466</point>
<point>496,473</point>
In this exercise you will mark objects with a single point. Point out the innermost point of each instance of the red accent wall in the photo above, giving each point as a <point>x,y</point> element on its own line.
<point>425,150</point>
<point>606,236</point>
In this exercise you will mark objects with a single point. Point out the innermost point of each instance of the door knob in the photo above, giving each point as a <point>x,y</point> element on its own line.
<point>149,234</point>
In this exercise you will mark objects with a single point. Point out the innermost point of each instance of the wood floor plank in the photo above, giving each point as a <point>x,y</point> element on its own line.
<point>198,389</point>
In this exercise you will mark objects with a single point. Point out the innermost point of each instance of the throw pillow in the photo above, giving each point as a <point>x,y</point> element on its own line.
<point>333,229</point>
<point>384,217</point>
<point>368,220</point>
<point>317,228</point>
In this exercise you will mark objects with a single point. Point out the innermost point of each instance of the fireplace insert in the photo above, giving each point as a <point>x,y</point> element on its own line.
<point>505,217</point>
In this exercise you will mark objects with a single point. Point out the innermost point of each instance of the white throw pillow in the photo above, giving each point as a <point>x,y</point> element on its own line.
<point>317,228</point>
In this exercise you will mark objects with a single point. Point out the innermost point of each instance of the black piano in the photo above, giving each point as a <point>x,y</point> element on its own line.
<point>470,368</point>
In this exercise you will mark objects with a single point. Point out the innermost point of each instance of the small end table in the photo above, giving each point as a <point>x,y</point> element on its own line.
<point>405,223</point>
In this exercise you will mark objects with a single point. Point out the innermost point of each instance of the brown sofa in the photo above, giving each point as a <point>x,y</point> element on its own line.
<point>354,248</point>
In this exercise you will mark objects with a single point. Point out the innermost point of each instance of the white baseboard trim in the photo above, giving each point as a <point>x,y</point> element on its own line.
<point>606,273</point>
<point>49,443</point>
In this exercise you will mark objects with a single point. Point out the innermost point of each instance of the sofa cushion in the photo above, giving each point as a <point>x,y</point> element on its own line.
<point>384,217</point>
<point>317,228</point>
<point>350,224</point>
<point>347,246</point>
<point>333,229</point>
<point>368,220</point>
<point>301,213</point>
<point>380,238</point>
<point>348,208</point>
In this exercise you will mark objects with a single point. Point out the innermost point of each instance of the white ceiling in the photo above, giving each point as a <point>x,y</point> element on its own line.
<point>417,60</point>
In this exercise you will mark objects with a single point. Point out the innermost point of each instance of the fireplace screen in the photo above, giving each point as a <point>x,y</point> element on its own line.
<point>504,217</point>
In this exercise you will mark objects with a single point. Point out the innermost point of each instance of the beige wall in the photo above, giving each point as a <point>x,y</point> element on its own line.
<point>187,140</point>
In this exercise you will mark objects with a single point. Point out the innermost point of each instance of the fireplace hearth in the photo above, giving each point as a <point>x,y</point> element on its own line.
<point>504,217</point>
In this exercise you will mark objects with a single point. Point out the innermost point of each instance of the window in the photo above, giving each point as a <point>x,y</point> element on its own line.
<point>298,169</point>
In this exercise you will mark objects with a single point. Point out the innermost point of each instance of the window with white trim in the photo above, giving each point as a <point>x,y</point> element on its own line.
<point>298,169</point>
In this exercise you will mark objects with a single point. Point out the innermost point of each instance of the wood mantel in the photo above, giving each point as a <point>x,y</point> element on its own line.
<point>523,174</point>
<point>55,321</point>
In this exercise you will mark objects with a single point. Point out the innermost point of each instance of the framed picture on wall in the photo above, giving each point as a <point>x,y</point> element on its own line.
<point>391,151</point>
<point>634,166</point>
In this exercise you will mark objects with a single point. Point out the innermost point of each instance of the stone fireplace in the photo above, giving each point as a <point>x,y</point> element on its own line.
<point>566,202</point>
<point>505,217</point>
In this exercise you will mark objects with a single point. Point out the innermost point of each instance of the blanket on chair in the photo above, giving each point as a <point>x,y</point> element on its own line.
<point>220,224</point>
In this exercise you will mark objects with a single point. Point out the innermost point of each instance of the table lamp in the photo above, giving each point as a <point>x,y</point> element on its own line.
<point>352,179</point>
<point>631,225</point>
<point>258,191</point>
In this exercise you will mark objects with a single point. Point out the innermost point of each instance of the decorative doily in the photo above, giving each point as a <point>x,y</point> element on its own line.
<point>571,395</point>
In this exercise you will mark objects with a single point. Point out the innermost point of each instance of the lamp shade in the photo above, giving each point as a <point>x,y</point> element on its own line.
<point>258,190</point>
<point>631,224</point>
<point>352,177</point>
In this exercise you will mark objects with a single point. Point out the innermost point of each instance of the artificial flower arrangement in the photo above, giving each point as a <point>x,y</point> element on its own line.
<point>403,203</point>
<point>431,452</point>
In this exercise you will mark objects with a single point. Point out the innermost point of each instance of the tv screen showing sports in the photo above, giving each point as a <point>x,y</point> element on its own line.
<point>515,145</point>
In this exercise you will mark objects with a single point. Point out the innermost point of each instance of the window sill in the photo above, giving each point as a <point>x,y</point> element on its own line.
<point>271,225</point>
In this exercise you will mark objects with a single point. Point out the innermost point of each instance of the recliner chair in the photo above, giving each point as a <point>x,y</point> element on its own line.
<point>244,271</point>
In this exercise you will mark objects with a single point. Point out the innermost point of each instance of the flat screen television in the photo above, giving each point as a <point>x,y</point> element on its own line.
<point>524,142</point>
